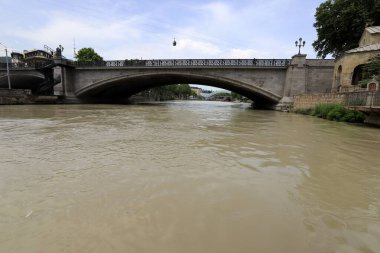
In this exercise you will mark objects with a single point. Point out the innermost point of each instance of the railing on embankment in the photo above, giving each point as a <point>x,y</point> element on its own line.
<point>365,99</point>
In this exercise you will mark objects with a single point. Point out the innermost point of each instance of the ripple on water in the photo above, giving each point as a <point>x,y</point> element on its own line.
<point>131,178</point>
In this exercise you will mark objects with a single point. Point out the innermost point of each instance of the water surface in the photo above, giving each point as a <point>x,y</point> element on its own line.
<point>185,177</point>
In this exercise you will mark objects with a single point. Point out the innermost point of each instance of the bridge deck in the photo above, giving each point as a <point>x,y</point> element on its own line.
<point>230,63</point>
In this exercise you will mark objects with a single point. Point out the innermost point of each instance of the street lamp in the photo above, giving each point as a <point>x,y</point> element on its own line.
<point>300,44</point>
<point>6,58</point>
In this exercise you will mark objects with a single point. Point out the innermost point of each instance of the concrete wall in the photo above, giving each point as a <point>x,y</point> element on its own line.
<point>369,38</point>
<point>308,76</point>
<point>319,75</point>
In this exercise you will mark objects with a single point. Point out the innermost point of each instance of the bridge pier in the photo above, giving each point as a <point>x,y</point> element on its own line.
<point>295,82</point>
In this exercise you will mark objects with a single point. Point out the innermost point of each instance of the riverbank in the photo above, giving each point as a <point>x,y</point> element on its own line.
<point>22,97</point>
<point>334,112</point>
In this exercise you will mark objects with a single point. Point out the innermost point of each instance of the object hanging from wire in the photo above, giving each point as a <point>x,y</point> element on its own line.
<point>174,43</point>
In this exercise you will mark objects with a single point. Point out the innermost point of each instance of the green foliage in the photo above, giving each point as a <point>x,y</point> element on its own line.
<point>340,24</point>
<point>371,69</point>
<point>236,96</point>
<point>183,91</point>
<point>305,111</point>
<point>88,54</point>
<point>334,112</point>
<point>322,110</point>
<point>170,92</point>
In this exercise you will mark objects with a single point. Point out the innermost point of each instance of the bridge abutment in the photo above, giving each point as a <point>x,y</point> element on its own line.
<point>295,82</point>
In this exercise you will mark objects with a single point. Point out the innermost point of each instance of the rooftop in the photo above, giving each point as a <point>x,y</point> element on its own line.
<point>373,29</point>
<point>373,47</point>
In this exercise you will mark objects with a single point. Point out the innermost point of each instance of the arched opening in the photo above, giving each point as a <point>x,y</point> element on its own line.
<point>357,75</point>
<point>119,89</point>
<point>22,81</point>
<point>338,77</point>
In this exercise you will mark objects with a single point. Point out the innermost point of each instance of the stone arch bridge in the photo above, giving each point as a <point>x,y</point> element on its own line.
<point>265,81</point>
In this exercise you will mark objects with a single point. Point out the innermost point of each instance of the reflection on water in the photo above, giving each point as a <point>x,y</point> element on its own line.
<point>185,177</point>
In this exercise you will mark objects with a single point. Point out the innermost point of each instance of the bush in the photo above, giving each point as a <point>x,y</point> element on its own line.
<point>322,110</point>
<point>335,112</point>
<point>307,111</point>
<point>354,116</point>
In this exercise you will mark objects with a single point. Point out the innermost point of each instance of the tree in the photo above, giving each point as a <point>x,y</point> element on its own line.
<point>340,24</point>
<point>88,54</point>
<point>183,91</point>
<point>369,71</point>
<point>236,96</point>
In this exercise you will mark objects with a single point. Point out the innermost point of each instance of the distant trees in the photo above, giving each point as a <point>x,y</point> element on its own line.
<point>340,24</point>
<point>183,91</point>
<point>88,54</point>
<point>169,92</point>
<point>236,96</point>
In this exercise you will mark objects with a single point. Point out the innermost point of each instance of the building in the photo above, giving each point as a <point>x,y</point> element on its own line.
<point>348,67</point>
<point>3,59</point>
<point>197,91</point>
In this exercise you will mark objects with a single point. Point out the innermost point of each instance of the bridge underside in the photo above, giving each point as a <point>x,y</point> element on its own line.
<point>119,89</point>
<point>22,81</point>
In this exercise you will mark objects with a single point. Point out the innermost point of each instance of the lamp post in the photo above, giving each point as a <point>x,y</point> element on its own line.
<point>300,43</point>
<point>6,59</point>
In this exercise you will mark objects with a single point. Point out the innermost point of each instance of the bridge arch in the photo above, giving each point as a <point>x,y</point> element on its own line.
<point>22,80</point>
<point>120,87</point>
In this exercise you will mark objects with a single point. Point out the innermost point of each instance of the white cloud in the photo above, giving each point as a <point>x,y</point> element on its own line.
<point>200,47</point>
<point>129,29</point>
<point>239,53</point>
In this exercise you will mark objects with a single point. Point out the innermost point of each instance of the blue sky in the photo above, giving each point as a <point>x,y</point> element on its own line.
<point>134,29</point>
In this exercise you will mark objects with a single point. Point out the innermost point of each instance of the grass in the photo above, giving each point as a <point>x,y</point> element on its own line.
<point>334,112</point>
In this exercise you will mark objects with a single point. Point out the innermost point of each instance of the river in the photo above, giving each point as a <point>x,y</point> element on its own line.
<point>185,177</point>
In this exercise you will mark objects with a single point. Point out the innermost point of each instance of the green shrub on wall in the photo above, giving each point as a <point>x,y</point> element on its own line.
<point>334,112</point>
<point>369,71</point>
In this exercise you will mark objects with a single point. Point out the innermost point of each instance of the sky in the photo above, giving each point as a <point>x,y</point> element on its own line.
<point>145,29</point>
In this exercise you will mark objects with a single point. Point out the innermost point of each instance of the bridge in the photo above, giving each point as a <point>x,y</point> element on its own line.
<point>265,81</point>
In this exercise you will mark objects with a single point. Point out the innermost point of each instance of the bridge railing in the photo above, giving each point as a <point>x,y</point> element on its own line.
<point>188,63</point>
<point>26,65</point>
<point>161,63</point>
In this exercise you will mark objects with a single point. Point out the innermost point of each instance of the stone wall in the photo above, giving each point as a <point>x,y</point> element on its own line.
<point>12,97</point>
<point>308,76</point>
<point>319,74</point>
<point>311,100</point>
